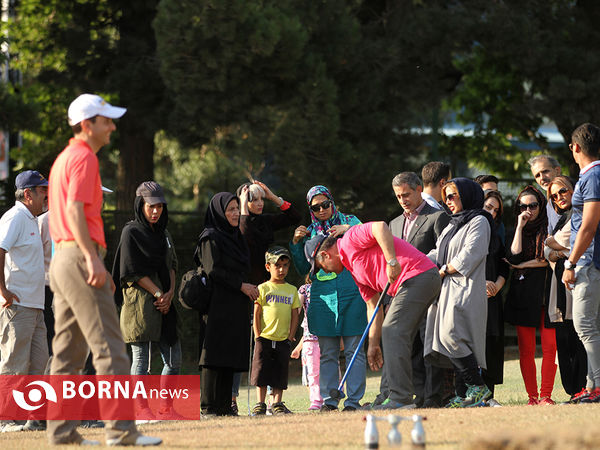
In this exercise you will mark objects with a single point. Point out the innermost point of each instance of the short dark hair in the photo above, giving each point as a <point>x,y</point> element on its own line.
<point>481,179</point>
<point>329,242</point>
<point>498,197</point>
<point>410,178</point>
<point>587,136</point>
<point>77,127</point>
<point>433,172</point>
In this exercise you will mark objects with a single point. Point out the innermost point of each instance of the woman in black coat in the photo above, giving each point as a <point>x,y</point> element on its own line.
<point>496,274</point>
<point>223,253</point>
<point>258,228</point>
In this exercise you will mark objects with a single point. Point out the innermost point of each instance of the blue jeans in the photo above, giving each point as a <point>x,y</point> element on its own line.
<point>171,356</point>
<point>329,375</point>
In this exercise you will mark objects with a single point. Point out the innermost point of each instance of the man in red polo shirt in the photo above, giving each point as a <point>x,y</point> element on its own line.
<point>85,312</point>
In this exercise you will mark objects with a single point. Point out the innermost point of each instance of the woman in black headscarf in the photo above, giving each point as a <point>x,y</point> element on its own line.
<point>526,302</point>
<point>496,274</point>
<point>144,270</point>
<point>456,324</point>
<point>223,253</point>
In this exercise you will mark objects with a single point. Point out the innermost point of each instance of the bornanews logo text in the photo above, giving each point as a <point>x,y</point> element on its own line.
<point>84,397</point>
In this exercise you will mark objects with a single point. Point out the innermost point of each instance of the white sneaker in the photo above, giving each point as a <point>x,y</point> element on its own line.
<point>141,440</point>
<point>494,403</point>
<point>147,421</point>
<point>11,427</point>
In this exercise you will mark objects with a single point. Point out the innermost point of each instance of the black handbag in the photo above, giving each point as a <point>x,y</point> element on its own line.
<point>195,290</point>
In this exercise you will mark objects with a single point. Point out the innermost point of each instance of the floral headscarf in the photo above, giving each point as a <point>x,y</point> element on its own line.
<point>337,218</point>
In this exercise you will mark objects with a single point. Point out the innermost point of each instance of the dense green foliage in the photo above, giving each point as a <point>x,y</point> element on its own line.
<point>297,93</point>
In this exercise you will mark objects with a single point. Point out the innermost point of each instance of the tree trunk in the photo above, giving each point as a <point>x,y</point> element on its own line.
<point>141,91</point>
<point>136,161</point>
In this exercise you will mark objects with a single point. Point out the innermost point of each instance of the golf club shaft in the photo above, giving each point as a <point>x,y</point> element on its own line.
<point>362,339</point>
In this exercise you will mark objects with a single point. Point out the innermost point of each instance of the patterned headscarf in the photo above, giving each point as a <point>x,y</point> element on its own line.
<point>337,218</point>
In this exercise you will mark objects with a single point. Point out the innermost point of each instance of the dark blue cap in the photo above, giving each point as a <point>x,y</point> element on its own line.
<point>29,179</point>
<point>311,249</point>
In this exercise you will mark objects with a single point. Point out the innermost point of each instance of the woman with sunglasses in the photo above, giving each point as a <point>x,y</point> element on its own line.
<point>526,303</point>
<point>456,323</point>
<point>336,309</point>
<point>572,359</point>
<point>496,274</point>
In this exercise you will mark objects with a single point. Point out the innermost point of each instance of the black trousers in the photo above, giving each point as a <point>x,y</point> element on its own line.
<point>572,359</point>
<point>467,373</point>
<point>215,390</point>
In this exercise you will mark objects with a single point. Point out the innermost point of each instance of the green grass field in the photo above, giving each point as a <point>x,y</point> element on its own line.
<point>514,426</point>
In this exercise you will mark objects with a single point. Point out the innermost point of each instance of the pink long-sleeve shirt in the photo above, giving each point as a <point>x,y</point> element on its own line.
<point>361,255</point>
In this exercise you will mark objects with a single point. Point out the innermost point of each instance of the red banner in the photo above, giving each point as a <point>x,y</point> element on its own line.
<point>99,397</point>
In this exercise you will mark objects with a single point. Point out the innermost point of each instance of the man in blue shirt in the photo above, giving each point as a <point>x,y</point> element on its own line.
<point>582,269</point>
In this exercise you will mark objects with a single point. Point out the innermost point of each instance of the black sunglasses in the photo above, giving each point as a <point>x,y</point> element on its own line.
<point>452,197</point>
<point>326,204</point>
<point>532,206</point>
<point>561,191</point>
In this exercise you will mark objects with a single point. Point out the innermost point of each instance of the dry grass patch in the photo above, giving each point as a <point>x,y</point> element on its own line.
<point>514,426</point>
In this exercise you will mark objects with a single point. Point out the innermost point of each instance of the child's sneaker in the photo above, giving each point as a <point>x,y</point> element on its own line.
<point>314,407</point>
<point>280,408</point>
<point>260,409</point>
<point>476,396</point>
<point>492,402</point>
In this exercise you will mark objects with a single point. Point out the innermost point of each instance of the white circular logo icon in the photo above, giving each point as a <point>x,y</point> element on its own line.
<point>34,396</point>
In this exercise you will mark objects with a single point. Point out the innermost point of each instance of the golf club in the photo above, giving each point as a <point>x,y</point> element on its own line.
<point>250,361</point>
<point>338,394</point>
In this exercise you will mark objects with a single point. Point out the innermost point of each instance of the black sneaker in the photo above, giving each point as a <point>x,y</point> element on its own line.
<point>260,409</point>
<point>349,408</point>
<point>234,408</point>
<point>280,408</point>
<point>328,408</point>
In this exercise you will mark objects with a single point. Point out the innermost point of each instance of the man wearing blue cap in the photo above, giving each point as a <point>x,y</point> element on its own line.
<point>23,346</point>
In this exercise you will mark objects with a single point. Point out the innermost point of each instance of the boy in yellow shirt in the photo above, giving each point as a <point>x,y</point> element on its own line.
<point>276,312</point>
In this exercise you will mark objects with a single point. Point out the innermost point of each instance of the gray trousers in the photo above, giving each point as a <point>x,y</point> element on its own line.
<point>85,319</point>
<point>401,324</point>
<point>586,316</point>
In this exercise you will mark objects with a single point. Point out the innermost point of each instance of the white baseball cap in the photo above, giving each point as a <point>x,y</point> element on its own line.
<point>89,105</point>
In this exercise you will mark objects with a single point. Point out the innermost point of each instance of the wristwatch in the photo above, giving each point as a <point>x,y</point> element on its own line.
<point>158,294</point>
<point>392,262</point>
<point>569,265</point>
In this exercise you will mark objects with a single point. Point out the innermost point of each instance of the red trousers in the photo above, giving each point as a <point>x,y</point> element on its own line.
<point>526,336</point>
